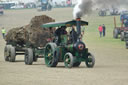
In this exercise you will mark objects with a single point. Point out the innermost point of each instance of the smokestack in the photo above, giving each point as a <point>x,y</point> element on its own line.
<point>78,25</point>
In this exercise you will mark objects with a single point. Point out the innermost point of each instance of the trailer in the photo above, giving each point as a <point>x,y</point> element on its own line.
<point>31,53</point>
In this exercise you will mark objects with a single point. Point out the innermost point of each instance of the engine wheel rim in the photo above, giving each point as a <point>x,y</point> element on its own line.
<point>90,61</point>
<point>67,61</point>
<point>48,55</point>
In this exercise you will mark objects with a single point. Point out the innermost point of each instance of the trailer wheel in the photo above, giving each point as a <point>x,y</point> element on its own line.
<point>51,58</point>
<point>90,61</point>
<point>122,36</point>
<point>35,58</point>
<point>68,60</point>
<point>76,64</point>
<point>12,54</point>
<point>28,56</point>
<point>115,33</point>
<point>6,52</point>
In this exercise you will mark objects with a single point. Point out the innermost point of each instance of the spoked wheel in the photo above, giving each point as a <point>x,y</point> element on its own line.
<point>90,61</point>
<point>51,60</point>
<point>76,64</point>
<point>115,33</point>
<point>6,52</point>
<point>29,56</point>
<point>68,60</point>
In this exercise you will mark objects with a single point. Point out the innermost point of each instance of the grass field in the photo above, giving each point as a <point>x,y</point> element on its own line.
<point>92,33</point>
<point>111,66</point>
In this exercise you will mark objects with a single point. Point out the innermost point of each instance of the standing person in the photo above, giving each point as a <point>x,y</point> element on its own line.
<point>60,31</point>
<point>3,32</point>
<point>104,29</point>
<point>73,35</point>
<point>100,28</point>
<point>68,3</point>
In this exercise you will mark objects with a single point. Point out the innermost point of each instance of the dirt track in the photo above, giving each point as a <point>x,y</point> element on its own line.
<point>111,66</point>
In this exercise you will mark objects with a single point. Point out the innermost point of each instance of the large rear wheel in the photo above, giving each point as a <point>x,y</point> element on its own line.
<point>51,58</point>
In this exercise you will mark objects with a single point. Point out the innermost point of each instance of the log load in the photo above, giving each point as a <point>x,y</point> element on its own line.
<point>32,33</point>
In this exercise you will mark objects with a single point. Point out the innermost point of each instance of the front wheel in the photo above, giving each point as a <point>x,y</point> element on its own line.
<point>28,56</point>
<point>90,61</point>
<point>68,60</point>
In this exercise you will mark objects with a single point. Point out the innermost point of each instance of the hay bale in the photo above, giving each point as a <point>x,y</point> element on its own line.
<point>32,33</point>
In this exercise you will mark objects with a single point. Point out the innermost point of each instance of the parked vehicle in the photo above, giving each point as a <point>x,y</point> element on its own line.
<point>44,5</point>
<point>17,7</point>
<point>123,30</point>
<point>114,11</point>
<point>102,12</point>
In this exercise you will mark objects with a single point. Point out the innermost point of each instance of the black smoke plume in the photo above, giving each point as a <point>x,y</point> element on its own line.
<point>84,7</point>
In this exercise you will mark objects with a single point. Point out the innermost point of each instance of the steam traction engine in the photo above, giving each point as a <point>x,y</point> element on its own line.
<point>72,54</point>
